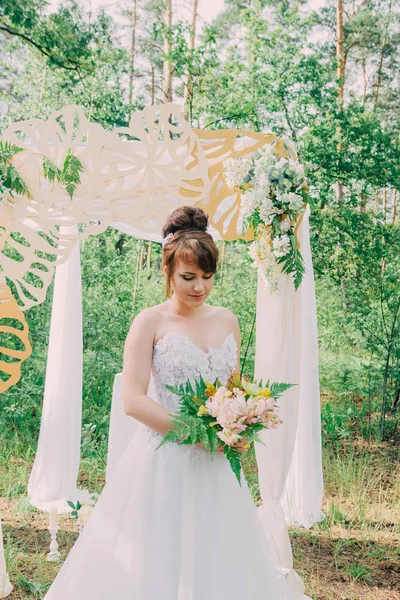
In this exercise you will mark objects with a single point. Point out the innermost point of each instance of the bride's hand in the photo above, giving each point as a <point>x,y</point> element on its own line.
<point>201,445</point>
<point>242,446</point>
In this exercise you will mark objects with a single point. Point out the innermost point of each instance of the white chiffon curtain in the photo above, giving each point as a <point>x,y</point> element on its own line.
<point>55,470</point>
<point>290,462</point>
<point>5,585</point>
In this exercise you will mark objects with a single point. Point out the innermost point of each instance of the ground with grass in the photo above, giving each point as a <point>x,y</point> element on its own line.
<point>352,555</point>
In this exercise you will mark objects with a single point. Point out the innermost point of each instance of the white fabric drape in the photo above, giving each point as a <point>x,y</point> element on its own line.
<point>122,426</point>
<point>5,586</point>
<point>304,488</point>
<point>53,478</point>
<point>290,463</point>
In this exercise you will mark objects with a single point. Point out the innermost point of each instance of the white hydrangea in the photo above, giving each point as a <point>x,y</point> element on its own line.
<point>267,210</point>
<point>281,163</point>
<point>295,201</point>
<point>235,171</point>
<point>248,203</point>
<point>284,225</point>
<point>281,245</point>
<point>287,183</point>
<point>261,181</point>
<point>265,155</point>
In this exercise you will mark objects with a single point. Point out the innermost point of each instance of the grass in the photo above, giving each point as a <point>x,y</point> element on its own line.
<point>352,555</point>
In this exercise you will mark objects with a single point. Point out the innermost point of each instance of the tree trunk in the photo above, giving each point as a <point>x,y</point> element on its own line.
<point>383,48</point>
<point>339,51</point>
<point>391,341</point>
<point>167,87</point>
<point>363,201</point>
<point>139,259</point>
<point>222,264</point>
<point>132,54</point>
<point>394,205</point>
<point>340,71</point>
<point>120,243</point>
<point>365,79</point>
<point>396,401</point>
<point>384,396</point>
<point>148,261</point>
<point>188,93</point>
<point>153,83</point>
<point>384,204</point>
<point>90,105</point>
<point>376,202</point>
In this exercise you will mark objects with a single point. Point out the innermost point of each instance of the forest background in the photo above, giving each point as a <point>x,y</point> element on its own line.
<point>328,78</point>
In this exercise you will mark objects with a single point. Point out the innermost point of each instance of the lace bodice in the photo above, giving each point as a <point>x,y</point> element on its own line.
<point>176,358</point>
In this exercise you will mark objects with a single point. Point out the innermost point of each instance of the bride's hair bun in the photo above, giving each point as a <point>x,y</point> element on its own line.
<point>186,238</point>
<point>185,217</point>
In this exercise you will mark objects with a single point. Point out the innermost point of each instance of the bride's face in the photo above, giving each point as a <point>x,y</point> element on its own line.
<point>191,285</point>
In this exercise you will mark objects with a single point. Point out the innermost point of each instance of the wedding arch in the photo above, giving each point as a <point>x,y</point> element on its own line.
<point>75,179</point>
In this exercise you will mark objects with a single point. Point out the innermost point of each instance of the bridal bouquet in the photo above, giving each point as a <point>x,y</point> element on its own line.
<point>273,196</point>
<point>217,415</point>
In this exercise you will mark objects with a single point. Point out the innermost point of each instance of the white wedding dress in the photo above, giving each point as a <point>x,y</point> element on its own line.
<point>172,523</point>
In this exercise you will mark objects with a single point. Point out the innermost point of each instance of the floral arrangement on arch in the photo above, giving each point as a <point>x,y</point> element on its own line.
<point>273,197</point>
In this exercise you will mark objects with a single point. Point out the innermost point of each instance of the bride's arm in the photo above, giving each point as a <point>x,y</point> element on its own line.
<point>138,353</point>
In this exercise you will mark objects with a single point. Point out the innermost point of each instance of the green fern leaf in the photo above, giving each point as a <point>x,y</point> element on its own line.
<point>277,388</point>
<point>212,439</point>
<point>234,461</point>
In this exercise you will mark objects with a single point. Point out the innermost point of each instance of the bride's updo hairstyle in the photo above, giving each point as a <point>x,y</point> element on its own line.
<point>186,239</point>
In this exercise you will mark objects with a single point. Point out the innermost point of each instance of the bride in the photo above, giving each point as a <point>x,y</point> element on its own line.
<point>173,523</point>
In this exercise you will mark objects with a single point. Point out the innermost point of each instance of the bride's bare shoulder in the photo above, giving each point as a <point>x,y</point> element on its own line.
<point>222,313</point>
<point>146,321</point>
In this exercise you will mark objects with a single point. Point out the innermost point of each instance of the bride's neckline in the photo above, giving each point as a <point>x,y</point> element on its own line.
<point>183,335</point>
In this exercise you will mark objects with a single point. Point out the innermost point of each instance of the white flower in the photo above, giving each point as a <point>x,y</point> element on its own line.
<point>281,245</point>
<point>295,201</point>
<point>228,436</point>
<point>267,209</point>
<point>235,171</point>
<point>248,203</point>
<point>281,163</point>
<point>264,260</point>
<point>284,225</point>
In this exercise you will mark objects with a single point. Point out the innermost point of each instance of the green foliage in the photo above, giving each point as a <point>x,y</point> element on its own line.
<point>187,427</point>
<point>359,571</point>
<point>357,256</point>
<point>64,37</point>
<point>277,389</point>
<point>9,176</point>
<point>368,155</point>
<point>75,508</point>
<point>293,264</point>
<point>11,180</point>
<point>68,175</point>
